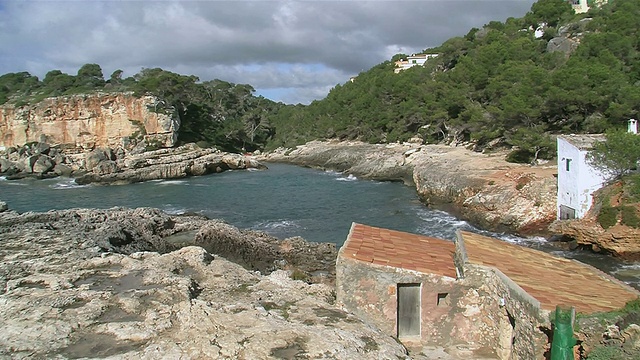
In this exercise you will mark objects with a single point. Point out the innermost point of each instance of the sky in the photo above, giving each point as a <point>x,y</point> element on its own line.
<point>289,51</point>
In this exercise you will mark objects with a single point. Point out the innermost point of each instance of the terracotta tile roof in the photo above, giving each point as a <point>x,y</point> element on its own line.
<point>550,279</point>
<point>400,249</point>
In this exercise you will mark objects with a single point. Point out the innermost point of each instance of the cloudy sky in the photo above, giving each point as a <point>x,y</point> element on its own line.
<point>289,51</point>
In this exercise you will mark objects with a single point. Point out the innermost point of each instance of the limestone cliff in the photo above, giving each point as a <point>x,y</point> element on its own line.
<point>88,121</point>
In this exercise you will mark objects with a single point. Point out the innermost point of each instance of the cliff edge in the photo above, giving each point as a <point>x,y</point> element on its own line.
<point>89,121</point>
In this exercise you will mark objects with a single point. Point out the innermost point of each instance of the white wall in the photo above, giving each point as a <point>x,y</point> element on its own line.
<point>576,186</point>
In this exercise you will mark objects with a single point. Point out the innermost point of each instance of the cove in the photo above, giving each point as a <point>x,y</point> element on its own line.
<point>284,201</point>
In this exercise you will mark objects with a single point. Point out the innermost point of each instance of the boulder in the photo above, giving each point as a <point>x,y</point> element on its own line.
<point>63,170</point>
<point>105,167</point>
<point>43,165</point>
<point>3,206</point>
<point>40,148</point>
<point>96,156</point>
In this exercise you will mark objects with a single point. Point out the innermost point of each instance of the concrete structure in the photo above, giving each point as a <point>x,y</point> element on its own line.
<point>411,61</point>
<point>577,179</point>
<point>481,293</point>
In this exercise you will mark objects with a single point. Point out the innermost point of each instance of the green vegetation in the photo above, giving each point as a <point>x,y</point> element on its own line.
<point>217,112</point>
<point>500,82</point>
<point>617,155</point>
<point>608,216</point>
<point>495,82</point>
<point>621,318</point>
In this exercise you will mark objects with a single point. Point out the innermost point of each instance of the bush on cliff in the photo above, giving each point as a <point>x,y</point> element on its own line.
<point>608,216</point>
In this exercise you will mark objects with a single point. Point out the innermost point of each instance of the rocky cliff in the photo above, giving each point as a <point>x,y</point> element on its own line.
<point>88,121</point>
<point>482,188</point>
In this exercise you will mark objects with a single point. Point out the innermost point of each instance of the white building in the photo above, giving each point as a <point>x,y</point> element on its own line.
<point>413,60</point>
<point>577,179</point>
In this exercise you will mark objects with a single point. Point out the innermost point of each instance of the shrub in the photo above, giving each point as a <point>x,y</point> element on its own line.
<point>299,275</point>
<point>630,216</point>
<point>519,156</point>
<point>605,353</point>
<point>608,216</point>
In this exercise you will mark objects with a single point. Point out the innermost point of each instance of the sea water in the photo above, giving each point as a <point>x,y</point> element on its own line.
<point>284,201</point>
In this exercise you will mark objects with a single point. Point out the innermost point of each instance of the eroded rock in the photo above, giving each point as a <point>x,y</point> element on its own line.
<point>89,283</point>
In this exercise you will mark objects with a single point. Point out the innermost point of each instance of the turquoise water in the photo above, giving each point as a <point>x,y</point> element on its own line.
<point>283,201</point>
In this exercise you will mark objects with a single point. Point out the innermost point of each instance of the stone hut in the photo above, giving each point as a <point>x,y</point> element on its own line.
<point>481,293</point>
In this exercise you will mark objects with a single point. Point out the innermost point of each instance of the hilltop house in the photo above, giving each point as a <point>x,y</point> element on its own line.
<point>582,6</point>
<point>479,293</point>
<point>411,61</point>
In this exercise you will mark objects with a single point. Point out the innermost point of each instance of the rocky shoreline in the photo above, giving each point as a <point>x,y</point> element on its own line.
<point>98,283</point>
<point>481,188</point>
<point>119,166</point>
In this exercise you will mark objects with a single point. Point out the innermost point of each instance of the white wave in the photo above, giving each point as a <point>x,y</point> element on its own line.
<point>3,178</point>
<point>173,182</point>
<point>173,210</point>
<point>332,173</point>
<point>441,224</point>
<point>348,178</point>
<point>66,183</point>
<point>276,225</point>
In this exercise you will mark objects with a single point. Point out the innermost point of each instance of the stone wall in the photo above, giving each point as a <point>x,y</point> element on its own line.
<point>93,120</point>
<point>370,291</point>
<point>522,327</point>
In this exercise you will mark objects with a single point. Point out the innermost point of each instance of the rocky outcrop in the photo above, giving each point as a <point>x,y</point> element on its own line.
<point>109,166</point>
<point>482,188</point>
<point>618,240</point>
<point>175,163</point>
<point>108,283</point>
<point>88,121</point>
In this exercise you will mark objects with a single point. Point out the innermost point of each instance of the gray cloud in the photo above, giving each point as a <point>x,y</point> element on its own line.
<point>299,48</point>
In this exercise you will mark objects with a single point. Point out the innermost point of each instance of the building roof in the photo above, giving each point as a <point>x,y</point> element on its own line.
<point>549,279</point>
<point>399,249</point>
<point>583,141</point>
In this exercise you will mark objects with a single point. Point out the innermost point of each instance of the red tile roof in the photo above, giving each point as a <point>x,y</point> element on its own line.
<point>400,249</point>
<point>550,279</point>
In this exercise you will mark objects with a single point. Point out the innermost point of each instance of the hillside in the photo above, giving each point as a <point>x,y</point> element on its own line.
<point>504,81</point>
<point>515,83</point>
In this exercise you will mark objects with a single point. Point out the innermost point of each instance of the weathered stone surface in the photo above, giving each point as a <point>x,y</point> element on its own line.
<point>618,240</point>
<point>3,206</point>
<point>174,163</point>
<point>99,119</point>
<point>43,164</point>
<point>482,188</point>
<point>84,283</point>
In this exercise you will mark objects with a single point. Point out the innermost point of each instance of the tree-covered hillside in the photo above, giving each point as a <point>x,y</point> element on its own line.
<point>498,82</point>
<point>217,112</point>
<point>506,82</point>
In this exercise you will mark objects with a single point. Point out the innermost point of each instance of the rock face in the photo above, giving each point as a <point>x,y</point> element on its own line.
<point>109,283</point>
<point>618,240</point>
<point>88,121</point>
<point>484,189</point>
